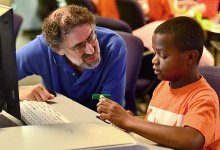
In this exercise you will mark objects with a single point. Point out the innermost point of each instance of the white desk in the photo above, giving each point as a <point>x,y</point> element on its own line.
<point>84,132</point>
<point>74,111</point>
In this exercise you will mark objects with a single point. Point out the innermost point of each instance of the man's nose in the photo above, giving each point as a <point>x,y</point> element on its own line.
<point>89,49</point>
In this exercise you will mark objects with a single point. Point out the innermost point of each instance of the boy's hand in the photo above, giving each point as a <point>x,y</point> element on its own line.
<point>35,93</point>
<point>115,113</point>
<point>129,112</point>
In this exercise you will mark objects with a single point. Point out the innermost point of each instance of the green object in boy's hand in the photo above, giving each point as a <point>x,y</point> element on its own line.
<point>98,96</point>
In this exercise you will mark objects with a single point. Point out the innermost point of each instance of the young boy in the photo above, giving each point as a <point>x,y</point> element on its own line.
<point>184,110</point>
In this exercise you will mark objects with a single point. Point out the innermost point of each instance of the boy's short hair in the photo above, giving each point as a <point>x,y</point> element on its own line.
<point>186,32</point>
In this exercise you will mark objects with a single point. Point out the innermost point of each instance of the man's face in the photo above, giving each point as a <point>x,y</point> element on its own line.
<point>81,47</point>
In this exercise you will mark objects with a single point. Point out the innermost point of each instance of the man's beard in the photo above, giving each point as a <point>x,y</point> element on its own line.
<point>92,65</point>
<point>81,62</point>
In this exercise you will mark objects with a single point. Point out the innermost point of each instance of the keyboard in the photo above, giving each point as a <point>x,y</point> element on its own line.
<point>39,113</point>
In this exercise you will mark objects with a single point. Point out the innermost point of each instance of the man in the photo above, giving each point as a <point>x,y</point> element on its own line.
<point>74,58</point>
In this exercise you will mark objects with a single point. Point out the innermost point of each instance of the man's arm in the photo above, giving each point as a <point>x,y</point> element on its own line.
<point>32,57</point>
<point>30,60</point>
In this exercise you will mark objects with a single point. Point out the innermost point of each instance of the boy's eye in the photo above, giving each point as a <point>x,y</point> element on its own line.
<point>164,57</point>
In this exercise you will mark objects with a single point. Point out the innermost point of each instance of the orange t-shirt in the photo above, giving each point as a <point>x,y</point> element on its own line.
<point>195,105</point>
<point>159,10</point>
<point>108,8</point>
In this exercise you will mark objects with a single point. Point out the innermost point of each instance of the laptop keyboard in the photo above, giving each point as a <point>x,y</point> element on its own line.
<point>39,113</point>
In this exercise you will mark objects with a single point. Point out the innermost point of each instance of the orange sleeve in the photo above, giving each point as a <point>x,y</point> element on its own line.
<point>202,116</point>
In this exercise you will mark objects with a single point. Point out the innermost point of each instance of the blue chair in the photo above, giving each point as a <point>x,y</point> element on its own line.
<point>135,49</point>
<point>85,3</point>
<point>212,76</point>
<point>113,24</point>
<point>131,12</point>
<point>45,7</point>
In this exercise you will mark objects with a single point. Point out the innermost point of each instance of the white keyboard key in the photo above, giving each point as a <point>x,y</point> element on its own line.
<point>38,113</point>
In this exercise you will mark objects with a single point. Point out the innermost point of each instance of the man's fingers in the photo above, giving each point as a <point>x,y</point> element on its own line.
<point>31,98</point>
<point>37,97</point>
<point>43,93</point>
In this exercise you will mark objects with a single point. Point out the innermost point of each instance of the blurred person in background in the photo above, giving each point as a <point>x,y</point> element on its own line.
<point>166,9</point>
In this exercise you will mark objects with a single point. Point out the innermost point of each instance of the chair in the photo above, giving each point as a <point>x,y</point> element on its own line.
<point>85,3</point>
<point>147,79</point>
<point>131,12</point>
<point>212,75</point>
<point>17,24</point>
<point>45,7</point>
<point>216,48</point>
<point>113,24</point>
<point>135,49</point>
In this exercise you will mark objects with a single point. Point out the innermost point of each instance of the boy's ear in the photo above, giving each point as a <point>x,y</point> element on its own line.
<point>192,57</point>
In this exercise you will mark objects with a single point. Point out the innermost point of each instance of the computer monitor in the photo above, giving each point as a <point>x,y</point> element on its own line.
<point>9,99</point>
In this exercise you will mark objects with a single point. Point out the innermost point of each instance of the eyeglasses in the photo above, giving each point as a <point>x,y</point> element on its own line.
<point>79,48</point>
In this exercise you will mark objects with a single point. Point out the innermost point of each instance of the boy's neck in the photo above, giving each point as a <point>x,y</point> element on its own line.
<point>185,81</point>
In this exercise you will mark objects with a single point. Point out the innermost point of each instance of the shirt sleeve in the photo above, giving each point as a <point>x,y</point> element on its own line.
<point>202,116</point>
<point>29,58</point>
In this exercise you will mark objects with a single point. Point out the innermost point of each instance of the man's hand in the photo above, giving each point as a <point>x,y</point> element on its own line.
<point>35,93</point>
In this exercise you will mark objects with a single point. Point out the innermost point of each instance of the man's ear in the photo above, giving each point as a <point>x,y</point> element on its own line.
<point>192,57</point>
<point>61,51</point>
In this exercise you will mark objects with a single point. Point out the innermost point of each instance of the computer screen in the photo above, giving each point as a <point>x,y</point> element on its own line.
<point>9,99</point>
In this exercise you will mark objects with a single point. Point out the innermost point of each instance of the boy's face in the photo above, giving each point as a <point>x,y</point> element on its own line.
<point>169,63</point>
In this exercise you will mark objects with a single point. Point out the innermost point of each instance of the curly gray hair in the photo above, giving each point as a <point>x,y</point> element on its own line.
<point>62,20</point>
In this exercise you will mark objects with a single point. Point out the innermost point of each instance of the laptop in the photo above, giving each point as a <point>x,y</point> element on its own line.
<point>66,136</point>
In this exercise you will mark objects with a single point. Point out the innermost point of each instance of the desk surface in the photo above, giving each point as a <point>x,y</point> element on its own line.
<point>74,111</point>
<point>85,131</point>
